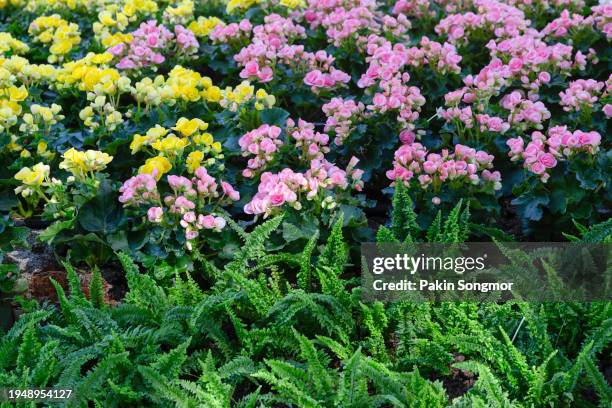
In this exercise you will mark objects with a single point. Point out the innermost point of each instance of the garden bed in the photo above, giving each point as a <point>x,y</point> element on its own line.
<point>188,184</point>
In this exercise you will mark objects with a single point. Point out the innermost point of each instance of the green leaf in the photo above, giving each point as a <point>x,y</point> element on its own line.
<point>530,205</point>
<point>49,234</point>
<point>102,213</point>
<point>274,116</point>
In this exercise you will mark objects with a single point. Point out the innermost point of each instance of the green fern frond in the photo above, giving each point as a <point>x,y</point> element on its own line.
<point>304,275</point>
<point>403,218</point>
<point>335,252</point>
<point>96,289</point>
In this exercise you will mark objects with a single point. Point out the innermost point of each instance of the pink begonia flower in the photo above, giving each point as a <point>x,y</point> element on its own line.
<point>229,191</point>
<point>155,214</point>
<point>262,143</point>
<point>466,164</point>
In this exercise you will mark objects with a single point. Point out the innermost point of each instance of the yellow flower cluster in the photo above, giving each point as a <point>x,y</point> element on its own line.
<point>181,85</point>
<point>48,115</point>
<point>190,86</point>
<point>233,5</point>
<point>40,116</point>
<point>40,6</point>
<point>204,25</point>
<point>103,85</point>
<point>102,110</point>
<point>232,98</point>
<point>10,98</point>
<point>80,163</point>
<point>293,4</point>
<point>156,166</point>
<point>6,3</point>
<point>28,74</point>
<point>170,146</point>
<point>113,39</point>
<point>62,35</point>
<point>153,92</point>
<point>179,14</point>
<point>10,44</point>
<point>143,7</point>
<point>31,178</point>
<point>34,74</point>
<point>90,71</point>
<point>152,135</point>
<point>115,17</point>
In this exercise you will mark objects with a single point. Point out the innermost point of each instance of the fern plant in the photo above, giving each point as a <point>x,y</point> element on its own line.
<point>404,227</point>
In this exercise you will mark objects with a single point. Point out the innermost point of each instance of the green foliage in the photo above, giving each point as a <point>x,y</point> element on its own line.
<point>275,329</point>
<point>601,232</point>
<point>453,228</point>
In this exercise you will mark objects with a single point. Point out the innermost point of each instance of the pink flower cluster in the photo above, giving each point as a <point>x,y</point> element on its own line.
<point>456,114</point>
<point>499,18</point>
<point>602,16</point>
<point>185,40</point>
<point>396,96</point>
<point>491,123</point>
<point>488,82</point>
<point>271,41</point>
<point>442,58</point>
<point>321,80</point>
<point>464,166</point>
<point>581,95</point>
<point>186,204</point>
<point>386,59</point>
<point>287,187</point>
<point>138,190</point>
<point>543,152</point>
<point>532,61</point>
<point>262,143</point>
<point>149,43</point>
<point>392,92</point>
<point>342,115</point>
<point>231,33</point>
<point>272,45</point>
<point>275,190</point>
<point>524,112</point>
<point>413,8</point>
<point>566,23</point>
<point>313,144</point>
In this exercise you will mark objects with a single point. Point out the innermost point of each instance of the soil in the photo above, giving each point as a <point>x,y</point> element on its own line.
<point>510,221</point>
<point>41,288</point>
<point>459,382</point>
<point>37,264</point>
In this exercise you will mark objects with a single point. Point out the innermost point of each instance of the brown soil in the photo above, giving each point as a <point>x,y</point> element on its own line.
<point>41,288</point>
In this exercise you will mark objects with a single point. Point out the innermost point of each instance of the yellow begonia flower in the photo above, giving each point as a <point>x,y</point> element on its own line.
<point>117,38</point>
<point>212,94</point>
<point>204,139</point>
<point>189,127</point>
<point>138,142</point>
<point>61,47</point>
<point>33,177</point>
<point>153,134</point>
<point>291,4</point>
<point>79,163</point>
<point>239,4</point>
<point>102,58</point>
<point>204,25</point>
<point>156,166</point>
<point>18,94</point>
<point>96,160</point>
<point>194,160</point>
<point>170,145</point>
